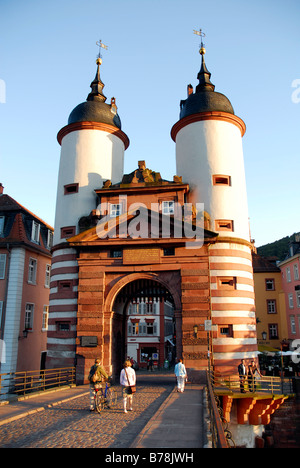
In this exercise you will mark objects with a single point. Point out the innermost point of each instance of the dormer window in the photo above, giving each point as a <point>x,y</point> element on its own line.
<point>35,232</point>
<point>49,239</point>
<point>2,219</point>
<point>115,209</point>
<point>168,207</point>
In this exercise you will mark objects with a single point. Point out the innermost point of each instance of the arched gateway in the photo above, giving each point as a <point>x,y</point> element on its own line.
<point>106,279</point>
<point>190,235</point>
<point>145,313</point>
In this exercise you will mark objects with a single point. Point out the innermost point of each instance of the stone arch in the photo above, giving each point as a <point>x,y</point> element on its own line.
<point>111,296</point>
<point>113,323</point>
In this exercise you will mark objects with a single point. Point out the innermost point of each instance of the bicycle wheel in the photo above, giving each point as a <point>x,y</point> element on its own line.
<point>111,397</point>
<point>99,401</point>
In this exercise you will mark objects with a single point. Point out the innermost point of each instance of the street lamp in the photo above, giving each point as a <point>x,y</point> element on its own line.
<point>264,335</point>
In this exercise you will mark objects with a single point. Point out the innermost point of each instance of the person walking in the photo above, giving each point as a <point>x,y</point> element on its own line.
<point>97,374</point>
<point>181,375</point>
<point>128,381</point>
<point>242,375</point>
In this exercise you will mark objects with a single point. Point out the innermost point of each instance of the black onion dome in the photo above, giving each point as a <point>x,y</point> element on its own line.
<point>205,99</point>
<point>94,109</point>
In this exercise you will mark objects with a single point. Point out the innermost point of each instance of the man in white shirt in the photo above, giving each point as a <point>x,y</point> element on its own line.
<point>180,373</point>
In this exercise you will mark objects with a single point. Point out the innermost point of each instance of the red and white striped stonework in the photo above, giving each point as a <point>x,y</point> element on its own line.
<point>232,304</point>
<point>62,308</point>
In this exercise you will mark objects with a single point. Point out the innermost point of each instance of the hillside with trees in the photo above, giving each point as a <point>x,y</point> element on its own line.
<point>277,249</point>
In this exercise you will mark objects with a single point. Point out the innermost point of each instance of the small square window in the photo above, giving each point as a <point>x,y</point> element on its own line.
<point>116,253</point>
<point>64,285</point>
<point>63,326</point>
<point>221,179</point>
<point>270,284</point>
<point>168,207</point>
<point>68,231</point>
<point>115,209</point>
<point>226,331</point>
<point>224,225</point>
<point>70,189</point>
<point>226,282</point>
<point>169,251</point>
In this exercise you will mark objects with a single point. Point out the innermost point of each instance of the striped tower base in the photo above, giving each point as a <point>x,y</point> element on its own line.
<point>61,337</point>
<point>232,304</point>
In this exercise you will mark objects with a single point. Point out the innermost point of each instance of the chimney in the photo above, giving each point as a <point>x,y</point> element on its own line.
<point>1,189</point>
<point>190,90</point>
<point>142,165</point>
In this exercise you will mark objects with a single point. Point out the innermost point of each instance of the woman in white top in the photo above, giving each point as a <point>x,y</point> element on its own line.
<point>180,373</point>
<point>127,379</point>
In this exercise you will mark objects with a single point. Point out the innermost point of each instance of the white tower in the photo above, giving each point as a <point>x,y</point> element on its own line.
<point>209,156</point>
<point>92,151</point>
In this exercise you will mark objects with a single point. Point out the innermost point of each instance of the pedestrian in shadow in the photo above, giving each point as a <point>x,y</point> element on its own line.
<point>252,370</point>
<point>96,376</point>
<point>128,381</point>
<point>242,375</point>
<point>181,375</point>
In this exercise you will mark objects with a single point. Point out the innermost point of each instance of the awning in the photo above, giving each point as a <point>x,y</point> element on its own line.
<point>268,350</point>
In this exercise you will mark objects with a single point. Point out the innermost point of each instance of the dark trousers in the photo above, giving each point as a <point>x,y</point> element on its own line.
<point>242,382</point>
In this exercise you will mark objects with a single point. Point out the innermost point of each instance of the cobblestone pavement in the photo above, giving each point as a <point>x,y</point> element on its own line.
<point>71,425</point>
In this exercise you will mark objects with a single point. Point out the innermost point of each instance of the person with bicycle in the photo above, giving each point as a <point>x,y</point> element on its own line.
<point>97,374</point>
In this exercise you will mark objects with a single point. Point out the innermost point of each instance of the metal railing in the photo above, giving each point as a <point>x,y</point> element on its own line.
<point>219,439</point>
<point>22,383</point>
<point>257,384</point>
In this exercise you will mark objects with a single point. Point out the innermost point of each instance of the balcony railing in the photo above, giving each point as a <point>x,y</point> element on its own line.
<point>265,384</point>
<point>22,383</point>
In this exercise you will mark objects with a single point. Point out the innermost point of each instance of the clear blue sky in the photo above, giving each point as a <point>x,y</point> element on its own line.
<point>47,62</point>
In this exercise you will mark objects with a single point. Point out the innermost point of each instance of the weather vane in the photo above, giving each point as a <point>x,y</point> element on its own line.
<point>101,46</point>
<point>201,34</point>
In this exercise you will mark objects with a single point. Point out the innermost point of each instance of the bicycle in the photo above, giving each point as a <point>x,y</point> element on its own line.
<point>105,397</point>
